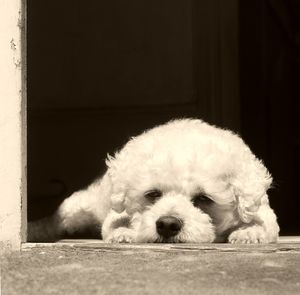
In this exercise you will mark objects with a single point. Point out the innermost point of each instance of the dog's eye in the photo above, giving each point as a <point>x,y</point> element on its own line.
<point>201,199</point>
<point>152,195</point>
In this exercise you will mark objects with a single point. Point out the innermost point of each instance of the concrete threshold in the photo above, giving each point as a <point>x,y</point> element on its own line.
<point>93,267</point>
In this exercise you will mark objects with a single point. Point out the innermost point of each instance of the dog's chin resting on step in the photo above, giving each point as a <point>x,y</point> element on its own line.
<point>182,182</point>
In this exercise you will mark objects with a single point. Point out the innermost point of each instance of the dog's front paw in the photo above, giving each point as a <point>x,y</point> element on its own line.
<point>248,235</point>
<point>121,235</point>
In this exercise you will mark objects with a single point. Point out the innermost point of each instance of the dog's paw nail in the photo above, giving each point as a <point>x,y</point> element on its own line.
<point>121,235</point>
<point>124,239</point>
<point>248,235</point>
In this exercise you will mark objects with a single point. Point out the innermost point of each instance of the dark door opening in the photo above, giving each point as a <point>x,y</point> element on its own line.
<point>102,72</point>
<point>270,109</point>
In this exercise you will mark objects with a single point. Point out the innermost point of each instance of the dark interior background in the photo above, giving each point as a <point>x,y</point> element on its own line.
<point>102,71</point>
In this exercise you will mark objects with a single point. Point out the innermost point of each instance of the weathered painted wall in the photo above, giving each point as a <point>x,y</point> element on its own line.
<point>12,130</point>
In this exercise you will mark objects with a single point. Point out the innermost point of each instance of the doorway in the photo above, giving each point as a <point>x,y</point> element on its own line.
<point>103,72</point>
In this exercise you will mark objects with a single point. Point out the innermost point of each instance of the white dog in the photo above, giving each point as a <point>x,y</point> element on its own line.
<point>182,182</point>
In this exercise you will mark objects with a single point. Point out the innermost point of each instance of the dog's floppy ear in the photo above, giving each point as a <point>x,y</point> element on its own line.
<point>250,184</point>
<point>117,195</point>
<point>117,202</point>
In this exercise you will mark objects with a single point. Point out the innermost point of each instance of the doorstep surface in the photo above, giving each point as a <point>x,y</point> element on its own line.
<point>92,267</point>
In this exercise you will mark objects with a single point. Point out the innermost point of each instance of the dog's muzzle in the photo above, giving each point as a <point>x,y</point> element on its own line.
<point>168,226</point>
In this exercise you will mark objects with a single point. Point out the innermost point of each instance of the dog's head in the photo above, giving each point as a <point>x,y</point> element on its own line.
<point>188,181</point>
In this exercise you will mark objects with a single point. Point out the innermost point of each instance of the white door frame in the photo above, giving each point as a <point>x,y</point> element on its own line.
<point>13,220</point>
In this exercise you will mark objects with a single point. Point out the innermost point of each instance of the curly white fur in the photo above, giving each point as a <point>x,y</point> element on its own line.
<point>180,159</point>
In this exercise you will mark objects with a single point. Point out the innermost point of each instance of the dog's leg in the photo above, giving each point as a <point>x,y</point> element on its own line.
<point>120,227</point>
<point>74,215</point>
<point>263,229</point>
<point>85,209</point>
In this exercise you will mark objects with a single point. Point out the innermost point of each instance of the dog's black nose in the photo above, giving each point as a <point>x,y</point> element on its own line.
<point>168,226</point>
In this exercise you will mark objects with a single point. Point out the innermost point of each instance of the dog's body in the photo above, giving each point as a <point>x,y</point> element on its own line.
<point>185,181</point>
